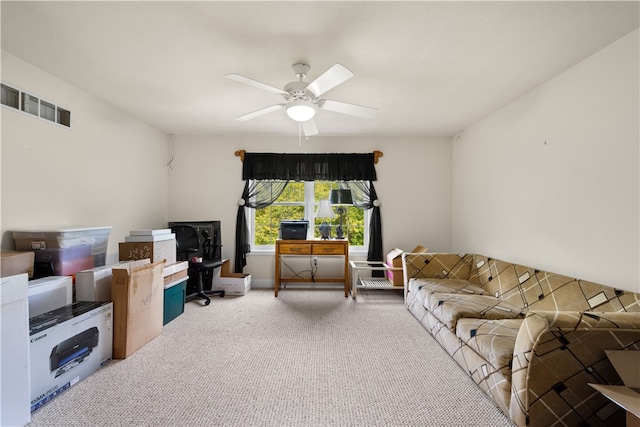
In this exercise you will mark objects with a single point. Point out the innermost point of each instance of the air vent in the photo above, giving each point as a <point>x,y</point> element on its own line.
<point>30,104</point>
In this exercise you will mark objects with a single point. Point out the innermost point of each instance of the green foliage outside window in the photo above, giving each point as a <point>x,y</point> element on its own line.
<point>290,205</point>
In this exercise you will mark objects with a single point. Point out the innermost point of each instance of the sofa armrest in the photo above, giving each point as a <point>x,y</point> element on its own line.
<point>557,353</point>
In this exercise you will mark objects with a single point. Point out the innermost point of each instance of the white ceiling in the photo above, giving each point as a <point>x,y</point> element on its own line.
<point>430,68</point>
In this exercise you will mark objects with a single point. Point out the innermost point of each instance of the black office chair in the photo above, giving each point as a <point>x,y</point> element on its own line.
<point>187,249</point>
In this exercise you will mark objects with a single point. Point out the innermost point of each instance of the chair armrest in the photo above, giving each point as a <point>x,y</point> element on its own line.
<point>557,353</point>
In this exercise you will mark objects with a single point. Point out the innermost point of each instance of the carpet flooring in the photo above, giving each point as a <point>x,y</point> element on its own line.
<point>306,358</point>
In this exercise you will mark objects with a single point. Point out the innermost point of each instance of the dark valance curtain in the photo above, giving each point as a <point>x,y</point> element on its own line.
<point>309,167</point>
<point>267,174</point>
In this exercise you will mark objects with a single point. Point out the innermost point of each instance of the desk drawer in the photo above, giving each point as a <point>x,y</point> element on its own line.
<point>328,249</point>
<point>295,248</point>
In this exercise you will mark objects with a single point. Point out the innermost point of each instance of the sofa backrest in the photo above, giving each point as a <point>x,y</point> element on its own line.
<point>529,288</point>
<point>438,265</point>
<point>522,286</point>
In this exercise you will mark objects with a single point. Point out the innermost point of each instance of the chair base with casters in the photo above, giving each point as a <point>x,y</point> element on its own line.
<point>199,269</point>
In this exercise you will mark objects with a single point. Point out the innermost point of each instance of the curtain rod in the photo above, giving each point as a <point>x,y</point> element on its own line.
<point>376,155</point>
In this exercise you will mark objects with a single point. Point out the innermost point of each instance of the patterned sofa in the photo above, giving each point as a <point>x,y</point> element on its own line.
<point>532,340</point>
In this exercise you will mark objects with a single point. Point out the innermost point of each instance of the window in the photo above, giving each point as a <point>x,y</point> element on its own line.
<point>299,200</point>
<point>10,96</point>
<point>19,100</point>
<point>29,104</point>
<point>47,111</point>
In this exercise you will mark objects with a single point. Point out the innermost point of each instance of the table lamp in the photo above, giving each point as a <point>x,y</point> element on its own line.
<point>324,211</point>
<point>341,197</point>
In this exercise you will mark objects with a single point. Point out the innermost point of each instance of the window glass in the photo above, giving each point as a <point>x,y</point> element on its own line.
<point>290,205</point>
<point>63,117</point>
<point>300,200</point>
<point>47,111</point>
<point>9,96</point>
<point>29,104</point>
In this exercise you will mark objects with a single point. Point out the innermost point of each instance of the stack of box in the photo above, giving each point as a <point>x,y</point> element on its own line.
<point>394,259</point>
<point>156,245</point>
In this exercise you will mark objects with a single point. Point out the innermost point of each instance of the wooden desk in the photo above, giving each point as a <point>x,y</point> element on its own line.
<point>312,248</point>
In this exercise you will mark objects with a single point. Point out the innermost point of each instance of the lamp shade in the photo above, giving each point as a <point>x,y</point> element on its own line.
<point>341,196</point>
<point>324,210</point>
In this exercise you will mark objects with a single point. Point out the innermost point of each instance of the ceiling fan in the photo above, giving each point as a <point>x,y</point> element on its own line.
<point>302,98</point>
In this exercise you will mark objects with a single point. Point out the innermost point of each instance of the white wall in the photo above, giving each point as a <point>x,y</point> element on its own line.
<point>205,183</point>
<point>552,179</point>
<point>107,169</point>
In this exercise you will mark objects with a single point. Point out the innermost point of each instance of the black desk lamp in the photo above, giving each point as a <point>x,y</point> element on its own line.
<point>341,197</point>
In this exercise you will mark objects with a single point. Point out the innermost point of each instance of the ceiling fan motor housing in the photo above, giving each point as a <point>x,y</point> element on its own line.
<point>297,91</point>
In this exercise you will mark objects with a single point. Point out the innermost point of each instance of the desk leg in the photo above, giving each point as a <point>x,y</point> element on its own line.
<point>276,286</point>
<point>346,271</point>
<point>354,283</point>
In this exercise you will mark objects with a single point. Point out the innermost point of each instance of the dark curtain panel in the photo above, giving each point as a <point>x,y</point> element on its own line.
<point>267,174</point>
<point>256,195</point>
<point>365,197</point>
<point>309,167</point>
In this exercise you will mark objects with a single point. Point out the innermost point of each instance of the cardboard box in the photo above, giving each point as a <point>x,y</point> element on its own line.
<point>94,284</point>
<point>394,259</point>
<point>49,293</point>
<point>16,262</point>
<point>232,283</point>
<point>627,365</point>
<point>14,351</point>
<point>138,298</point>
<point>155,251</point>
<point>173,273</point>
<point>67,345</point>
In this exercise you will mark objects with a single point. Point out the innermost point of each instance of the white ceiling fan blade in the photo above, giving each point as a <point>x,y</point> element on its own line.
<point>330,79</point>
<point>351,109</point>
<point>255,83</point>
<point>309,127</point>
<point>260,112</point>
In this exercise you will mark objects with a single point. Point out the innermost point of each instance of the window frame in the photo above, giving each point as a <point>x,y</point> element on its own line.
<point>310,207</point>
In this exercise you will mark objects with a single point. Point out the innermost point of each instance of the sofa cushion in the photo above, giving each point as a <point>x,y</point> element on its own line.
<point>421,287</point>
<point>450,286</point>
<point>448,308</point>
<point>494,340</point>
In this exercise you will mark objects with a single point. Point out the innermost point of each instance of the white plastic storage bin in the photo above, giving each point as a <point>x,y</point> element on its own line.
<point>49,293</point>
<point>64,251</point>
<point>36,239</point>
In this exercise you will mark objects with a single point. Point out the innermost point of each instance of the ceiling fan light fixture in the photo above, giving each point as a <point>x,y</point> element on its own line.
<point>301,111</point>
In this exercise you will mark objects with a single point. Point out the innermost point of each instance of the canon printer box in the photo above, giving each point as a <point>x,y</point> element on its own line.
<point>66,346</point>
